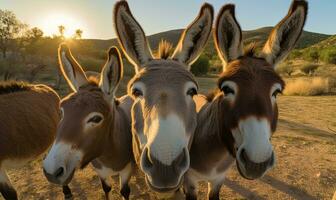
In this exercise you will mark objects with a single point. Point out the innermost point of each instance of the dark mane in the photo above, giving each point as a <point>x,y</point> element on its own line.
<point>212,94</point>
<point>165,50</point>
<point>13,86</point>
<point>250,50</point>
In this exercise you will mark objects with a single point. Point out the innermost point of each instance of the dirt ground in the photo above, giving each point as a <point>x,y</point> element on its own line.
<point>305,147</point>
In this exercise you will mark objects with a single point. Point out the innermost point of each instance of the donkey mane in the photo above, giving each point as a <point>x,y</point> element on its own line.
<point>250,50</point>
<point>165,50</point>
<point>13,86</point>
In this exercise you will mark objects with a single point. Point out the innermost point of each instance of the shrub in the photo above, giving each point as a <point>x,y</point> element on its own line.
<point>201,66</point>
<point>329,56</point>
<point>295,54</point>
<point>285,69</point>
<point>309,69</point>
<point>308,87</point>
<point>312,55</point>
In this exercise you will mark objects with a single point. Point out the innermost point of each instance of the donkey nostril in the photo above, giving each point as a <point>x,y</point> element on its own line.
<point>182,161</point>
<point>59,172</point>
<point>243,156</point>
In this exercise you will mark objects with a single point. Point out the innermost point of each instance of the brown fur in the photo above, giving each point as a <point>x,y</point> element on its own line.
<point>112,146</point>
<point>214,146</point>
<point>28,120</point>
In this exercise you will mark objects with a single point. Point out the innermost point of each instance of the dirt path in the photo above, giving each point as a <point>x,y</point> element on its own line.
<point>306,162</point>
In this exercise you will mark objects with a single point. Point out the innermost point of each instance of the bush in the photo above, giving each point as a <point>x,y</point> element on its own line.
<point>329,56</point>
<point>312,55</point>
<point>295,54</point>
<point>309,69</point>
<point>285,68</point>
<point>201,66</point>
<point>308,87</point>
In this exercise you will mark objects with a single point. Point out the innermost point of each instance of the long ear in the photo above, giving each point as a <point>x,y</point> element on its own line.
<point>228,35</point>
<point>71,70</point>
<point>286,33</point>
<point>131,37</point>
<point>195,36</point>
<point>111,73</point>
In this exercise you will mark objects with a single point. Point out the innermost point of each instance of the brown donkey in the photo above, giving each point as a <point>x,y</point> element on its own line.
<point>237,121</point>
<point>95,126</point>
<point>28,120</point>
<point>164,113</point>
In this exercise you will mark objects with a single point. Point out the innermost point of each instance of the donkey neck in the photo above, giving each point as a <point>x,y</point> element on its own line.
<point>117,148</point>
<point>212,138</point>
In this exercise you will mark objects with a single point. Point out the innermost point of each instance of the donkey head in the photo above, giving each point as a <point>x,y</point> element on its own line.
<point>87,116</point>
<point>249,87</point>
<point>164,114</point>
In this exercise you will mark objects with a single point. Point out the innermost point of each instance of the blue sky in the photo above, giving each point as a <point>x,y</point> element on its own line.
<point>95,17</point>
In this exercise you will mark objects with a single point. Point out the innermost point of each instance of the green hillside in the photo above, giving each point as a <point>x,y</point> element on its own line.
<point>258,35</point>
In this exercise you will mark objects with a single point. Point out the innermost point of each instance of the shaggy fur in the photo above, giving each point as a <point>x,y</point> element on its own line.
<point>11,87</point>
<point>165,50</point>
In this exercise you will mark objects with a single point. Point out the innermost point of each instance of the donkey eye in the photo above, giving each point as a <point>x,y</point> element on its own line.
<point>227,90</point>
<point>192,92</point>
<point>136,92</point>
<point>276,92</point>
<point>95,119</point>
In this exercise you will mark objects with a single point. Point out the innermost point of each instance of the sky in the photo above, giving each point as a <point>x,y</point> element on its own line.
<point>94,17</point>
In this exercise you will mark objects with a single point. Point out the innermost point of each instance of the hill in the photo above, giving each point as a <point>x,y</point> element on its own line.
<point>327,43</point>
<point>258,35</point>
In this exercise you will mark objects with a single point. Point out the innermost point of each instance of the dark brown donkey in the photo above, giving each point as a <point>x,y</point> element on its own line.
<point>237,121</point>
<point>95,126</point>
<point>28,120</point>
<point>164,113</point>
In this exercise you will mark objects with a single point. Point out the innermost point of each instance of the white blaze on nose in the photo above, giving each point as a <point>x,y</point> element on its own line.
<point>167,138</point>
<point>255,135</point>
<point>62,155</point>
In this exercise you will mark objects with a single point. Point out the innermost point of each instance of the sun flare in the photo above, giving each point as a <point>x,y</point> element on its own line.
<point>51,23</point>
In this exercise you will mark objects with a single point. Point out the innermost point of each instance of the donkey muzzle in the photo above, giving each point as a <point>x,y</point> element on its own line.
<point>252,170</point>
<point>161,177</point>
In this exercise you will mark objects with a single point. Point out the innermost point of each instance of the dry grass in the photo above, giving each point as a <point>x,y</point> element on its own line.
<point>308,87</point>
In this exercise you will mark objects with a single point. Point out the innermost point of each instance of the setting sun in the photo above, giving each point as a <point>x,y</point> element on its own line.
<point>50,24</point>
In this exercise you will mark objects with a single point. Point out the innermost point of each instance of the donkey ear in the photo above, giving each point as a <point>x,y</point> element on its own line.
<point>71,70</point>
<point>228,35</point>
<point>111,73</point>
<point>286,33</point>
<point>195,36</point>
<point>131,37</point>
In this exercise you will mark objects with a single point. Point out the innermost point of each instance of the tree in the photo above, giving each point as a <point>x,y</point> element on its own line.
<point>35,34</point>
<point>78,34</point>
<point>61,30</point>
<point>10,28</point>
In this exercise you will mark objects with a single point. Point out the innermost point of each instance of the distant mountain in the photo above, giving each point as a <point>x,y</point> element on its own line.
<point>258,36</point>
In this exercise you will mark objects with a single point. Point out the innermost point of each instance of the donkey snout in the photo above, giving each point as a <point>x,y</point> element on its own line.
<point>55,175</point>
<point>253,170</point>
<point>163,177</point>
<point>182,162</point>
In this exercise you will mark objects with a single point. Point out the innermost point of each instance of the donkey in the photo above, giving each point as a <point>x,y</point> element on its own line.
<point>95,126</point>
<point>237,121</point>
<point>163,113</point>
<point>28,120</point>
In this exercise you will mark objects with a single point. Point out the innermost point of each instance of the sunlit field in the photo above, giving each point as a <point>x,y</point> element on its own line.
<point>305,146</point>
<point>55,42</point>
